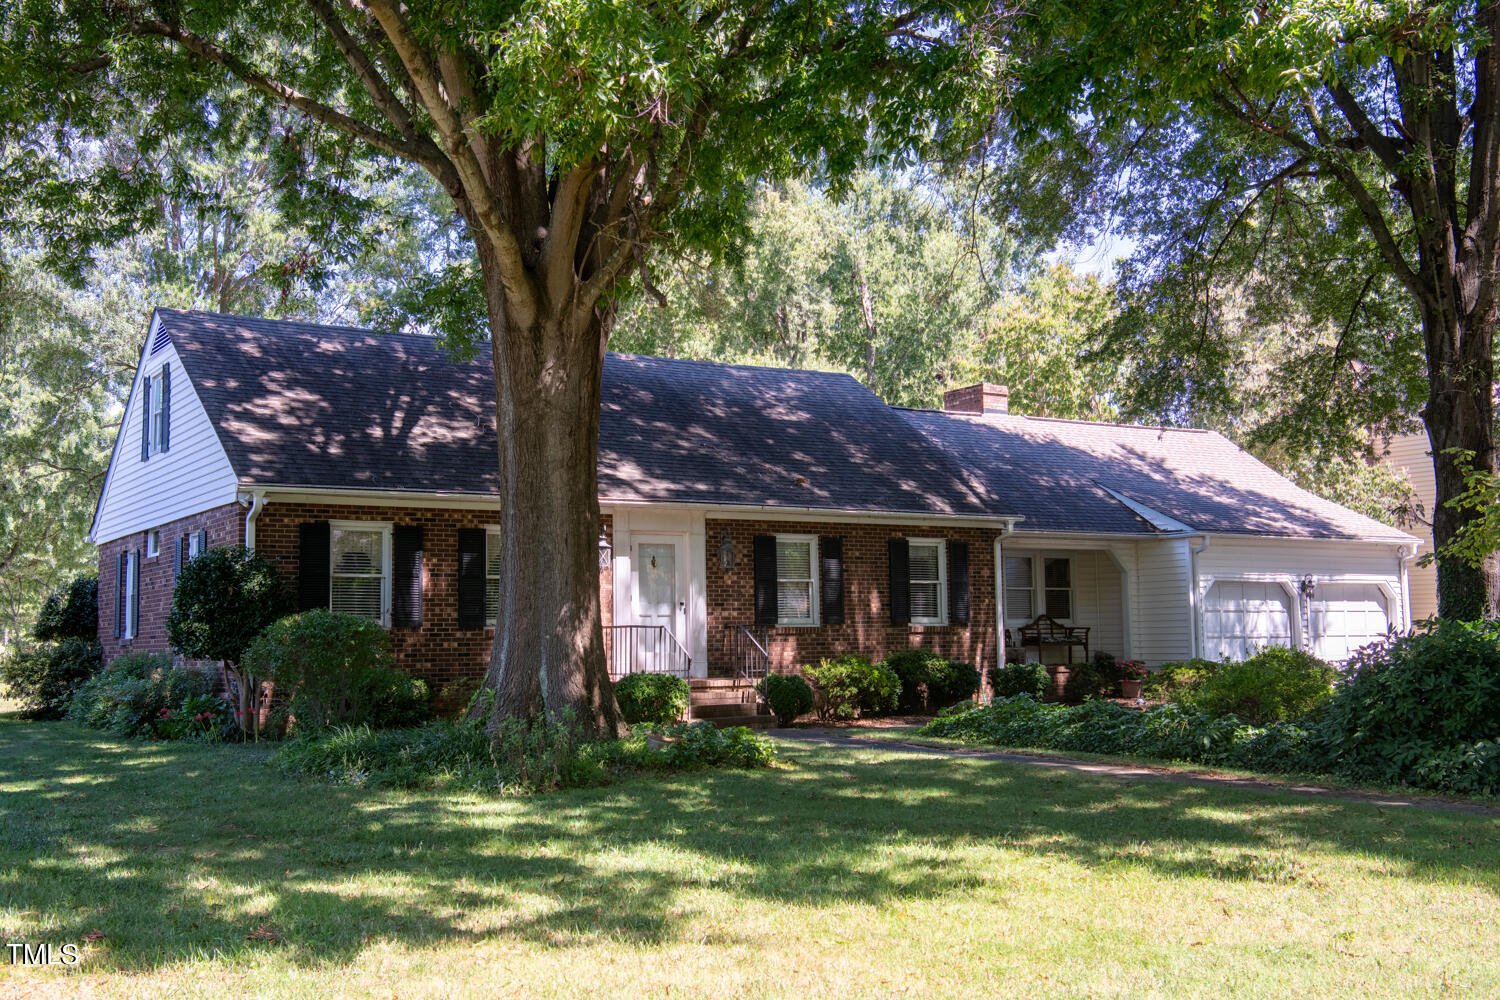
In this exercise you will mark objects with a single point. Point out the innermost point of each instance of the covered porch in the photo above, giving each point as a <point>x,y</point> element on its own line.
<point>1063,600</point>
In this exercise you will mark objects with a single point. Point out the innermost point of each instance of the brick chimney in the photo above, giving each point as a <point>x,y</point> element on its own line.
<point>981,398</point>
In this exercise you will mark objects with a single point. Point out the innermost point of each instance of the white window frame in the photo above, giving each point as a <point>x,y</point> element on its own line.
<point>942,580</point>
<point>384,528</point>
<point>1042,588</point>
<point>812,569</point>
<point>153,543</point>
<point>491,615</point>
<point>132,581</point>
<point>1013,620</point>
<point>194,548</point>
<point>156,413</point>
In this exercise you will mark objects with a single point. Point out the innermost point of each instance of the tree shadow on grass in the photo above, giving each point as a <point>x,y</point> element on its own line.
<point>179,851</point>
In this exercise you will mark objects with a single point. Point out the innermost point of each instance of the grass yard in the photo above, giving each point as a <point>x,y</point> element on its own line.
<point>198,871</point>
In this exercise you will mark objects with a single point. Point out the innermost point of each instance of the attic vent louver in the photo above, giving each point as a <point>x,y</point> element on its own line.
<point>160,341</point>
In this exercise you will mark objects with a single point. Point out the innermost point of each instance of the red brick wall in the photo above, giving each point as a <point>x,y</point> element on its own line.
<point>867,629</point>
<point>438,651</point>
<point>225,526</point>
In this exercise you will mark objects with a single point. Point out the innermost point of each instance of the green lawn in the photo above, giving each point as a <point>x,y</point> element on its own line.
<point>866,873</point>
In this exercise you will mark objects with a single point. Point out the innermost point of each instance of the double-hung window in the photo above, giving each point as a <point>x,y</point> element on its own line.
<point>360,569</point>
<point>156,412</point>
<point>927,571</point>
<point>1057,588</point>
<point>796,580</point>
<point>1020,590</point>
<point>491,576</point>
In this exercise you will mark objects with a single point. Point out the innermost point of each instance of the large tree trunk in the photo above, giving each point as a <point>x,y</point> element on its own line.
<point>548,655</point>
<point>1460,415</point>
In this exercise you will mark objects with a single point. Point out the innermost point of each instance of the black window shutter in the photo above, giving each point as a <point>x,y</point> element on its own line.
<point>900,582</point>
<point>145,418</point>
<point>135,593</point>
<point>831,580</point>
<point>958,582</point>
<point>179,556</point>
<point>119,594</point>
<point>471,578</point>
<point>406,568</point>
<point>166,407</point>
<point>764,549</point>
<point>203,541</point>
<point>313,565</point>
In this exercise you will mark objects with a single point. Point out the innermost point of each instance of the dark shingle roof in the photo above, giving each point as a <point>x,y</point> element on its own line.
<point>1059,474</point>
<point>309,405</point>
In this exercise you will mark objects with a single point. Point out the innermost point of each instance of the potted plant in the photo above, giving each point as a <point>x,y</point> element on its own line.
<point>1132,673</point>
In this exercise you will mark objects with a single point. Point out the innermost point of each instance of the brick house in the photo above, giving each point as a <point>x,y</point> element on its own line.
<point>748,513</point>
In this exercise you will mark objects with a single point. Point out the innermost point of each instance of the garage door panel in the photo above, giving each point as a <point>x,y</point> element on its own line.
<point>1346,616</point>
<point>1241,618</point>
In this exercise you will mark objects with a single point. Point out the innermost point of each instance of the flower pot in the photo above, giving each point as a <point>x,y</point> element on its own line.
<point>1130,689</point>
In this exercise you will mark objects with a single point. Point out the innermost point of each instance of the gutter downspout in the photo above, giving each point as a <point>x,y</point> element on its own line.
<point>1008,528</point>
<point>1194,612</point>
<point>1404,555</point>
<point>257,501</point>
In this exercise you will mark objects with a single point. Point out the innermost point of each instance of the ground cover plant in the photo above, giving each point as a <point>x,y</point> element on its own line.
<point>199,870</point>
<point>522,756</point>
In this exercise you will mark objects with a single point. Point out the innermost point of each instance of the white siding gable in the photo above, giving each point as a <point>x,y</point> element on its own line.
<point>191,476</point>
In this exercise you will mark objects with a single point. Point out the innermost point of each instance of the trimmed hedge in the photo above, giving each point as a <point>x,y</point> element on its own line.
<point>656,699</point>
<point>340,670</point>
<point>851,685</point>
<point>787,695</point>
<point>930,682</point>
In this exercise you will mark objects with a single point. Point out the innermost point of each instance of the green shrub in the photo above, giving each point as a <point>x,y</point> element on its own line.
<point>44,677</point>
<point>954,682</point>
<point>657,699</point>
<point>339,670</point>
<point>1274,685</point>
<point>524,756</point>
<point>135,693</point>
<point>223,599</point>
<point>787,695</point>
<point>850,685</point>
<point>916,669</point>
<point>1012,679</point>
<point>1098,678</point>
<point>1171,680</point>
<point>70,612</point>
<point>204,718</point>
<point>1420,709</point>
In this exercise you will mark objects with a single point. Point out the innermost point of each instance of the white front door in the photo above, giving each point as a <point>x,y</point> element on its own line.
<point>660,592</point>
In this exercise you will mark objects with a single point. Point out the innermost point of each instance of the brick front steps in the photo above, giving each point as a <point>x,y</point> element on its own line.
<point>725,701</point>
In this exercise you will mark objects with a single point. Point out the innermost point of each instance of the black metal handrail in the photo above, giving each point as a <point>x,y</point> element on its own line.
<point>646,649</point>
<point>748,657</point>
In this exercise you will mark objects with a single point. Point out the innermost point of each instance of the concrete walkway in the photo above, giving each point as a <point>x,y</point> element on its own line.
<point>1138,772</point>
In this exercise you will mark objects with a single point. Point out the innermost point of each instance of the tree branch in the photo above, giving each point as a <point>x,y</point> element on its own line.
<point>289,96</point>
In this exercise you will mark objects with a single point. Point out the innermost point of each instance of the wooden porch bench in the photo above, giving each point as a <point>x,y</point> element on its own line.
<point>1046,631</point>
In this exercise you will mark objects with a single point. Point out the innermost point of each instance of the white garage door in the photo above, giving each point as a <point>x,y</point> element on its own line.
<point>1345,616</point>
<point>1240,619</point>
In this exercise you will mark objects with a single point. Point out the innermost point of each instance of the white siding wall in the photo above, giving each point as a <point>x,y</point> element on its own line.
<point>193,475</point>
<point>1097,594</point>
<point>1161,618</point>
<point>1411,452</point>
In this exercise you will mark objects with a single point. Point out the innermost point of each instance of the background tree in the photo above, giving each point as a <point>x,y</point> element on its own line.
<point>570,137</point>
<point>1327,175</point>
<point>897,280</point>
